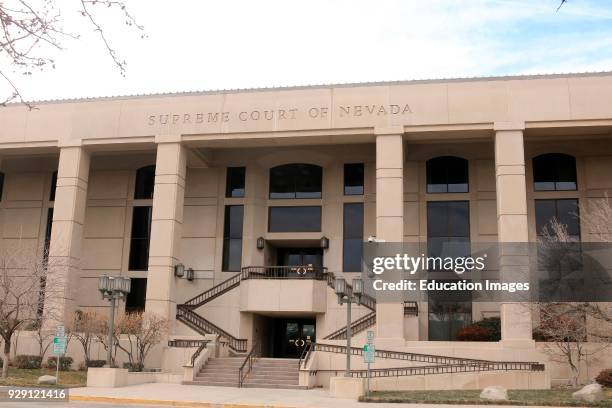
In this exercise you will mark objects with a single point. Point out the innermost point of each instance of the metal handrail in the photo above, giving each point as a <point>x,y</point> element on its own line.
<point>285,272</point>
<point>248,363</point>
<point>197,353</point>
<point>365,300</point>
<point>305,353</point>
<point>357,326</point>
<point>213,292</point>
<point>187,343</point>
<point>411,308</point>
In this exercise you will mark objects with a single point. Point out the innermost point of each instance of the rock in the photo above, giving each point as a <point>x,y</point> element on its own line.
<point>589,393</point>
<point>494,392</point>
<point>46,379</point>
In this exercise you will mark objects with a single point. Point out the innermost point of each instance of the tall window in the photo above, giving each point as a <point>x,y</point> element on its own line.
<point>145,182</point>
<point>554,172</point>
<point>447,174</point>
<point>234,181</point>
<point>232,238</point>
<point>564,210</point>
<point>352,233</point>
<point>353,179</point>
<point>448,235</point>
<point>1,184</point>
<point>296,181</point>
<point>135,300</point>
<point>141,219</point>
<point>53,186</point>
<point>294,219</point>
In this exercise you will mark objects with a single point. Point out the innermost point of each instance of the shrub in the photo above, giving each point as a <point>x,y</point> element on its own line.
<point>96,363</point>
<point>133,367</point>
<point>28,361</point>
<point>65,363</point>
<point>488,329</point>
<point>605,378</point>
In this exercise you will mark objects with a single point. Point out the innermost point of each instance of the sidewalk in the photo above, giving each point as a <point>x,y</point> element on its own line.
<point>221,397</point>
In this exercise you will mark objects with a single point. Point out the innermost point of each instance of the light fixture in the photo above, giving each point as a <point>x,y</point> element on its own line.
<point>340,287</point>
<point>190,274</point>
<point>358,289</point>
<point>113,288</point>
<point>179,270</point>
<point>324,242</point>
<point>261,243</point>
<point>348,294</point>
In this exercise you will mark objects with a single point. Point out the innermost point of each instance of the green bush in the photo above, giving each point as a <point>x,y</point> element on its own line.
<point>28,361</point>
<point>96,363</point>
<point>133,367</point>
<point>605,378</point>
<point>488,329</point>
<point>65,363</point>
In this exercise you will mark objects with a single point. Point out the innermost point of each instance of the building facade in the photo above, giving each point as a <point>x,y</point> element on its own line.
<point>287,184</point>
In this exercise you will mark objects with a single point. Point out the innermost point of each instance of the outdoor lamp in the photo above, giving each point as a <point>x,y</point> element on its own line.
<point>261,242</point>
<point>179,270</point>
<point>113,288</point>
<point>358,289</point>
<point>190,274</point>
<point>103,284</point>
<point>324,242</point>
<point>340,287</point>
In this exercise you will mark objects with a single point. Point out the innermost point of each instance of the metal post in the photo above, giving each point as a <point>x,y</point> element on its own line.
<point>57,368</point>
<point>111,324</point>
<point>349,334</point>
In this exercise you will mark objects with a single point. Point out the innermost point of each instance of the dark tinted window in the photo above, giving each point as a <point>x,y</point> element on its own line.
<point>139,241</point>
<point>448,228</point>
<point>296,181</point>
<point>135,301</point>
<point>353,179</point>
<point>294,219</point>
<point>1,184</point>
<point>53,186</point>
<point>352,245</point>
<point>232,238</point>
<point>234,183</point>
<point>448,312</point>
<point>145,182</point>
<point>564,210</point>
<point>554,172</point>
<point>48,228</point>
<point>447,174</point>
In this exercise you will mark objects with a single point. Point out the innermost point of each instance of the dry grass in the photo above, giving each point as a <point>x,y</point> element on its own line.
<point>29,378</point>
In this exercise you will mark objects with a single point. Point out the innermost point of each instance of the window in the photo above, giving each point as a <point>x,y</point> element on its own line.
<point>1,184</point>
<point>135,300</point>
<point>48,233</point>
<point>145,182</point>
<point>296,181</point>
<point>448,313</point>
<point>234,182</point>
<point>352,233</point>
<point>294,219</point>
<point>448,228</point>
<point>554,172</point>
<point>565,211</point>
<point>232,238</point>
<point>139,242</point>
<point>53,186</point>
<point>353,179</point>
<point>447,174</point>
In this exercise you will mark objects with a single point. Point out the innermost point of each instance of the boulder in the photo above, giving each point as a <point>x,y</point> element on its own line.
<point>589,393</point>
<point>495,393</point>
<point>46,379</point>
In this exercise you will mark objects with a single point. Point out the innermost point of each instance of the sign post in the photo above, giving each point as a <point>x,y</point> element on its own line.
<point>369,356</point>
<point>59,349</point>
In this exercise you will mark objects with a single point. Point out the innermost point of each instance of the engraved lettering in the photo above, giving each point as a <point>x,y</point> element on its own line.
<point>151,120</point>
<point>186,118</point>
<point>175,119</point>
<point>242,116</point>
<point>199,118</point>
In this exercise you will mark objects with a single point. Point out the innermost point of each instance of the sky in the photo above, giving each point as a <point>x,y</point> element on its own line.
<point>194,45</point>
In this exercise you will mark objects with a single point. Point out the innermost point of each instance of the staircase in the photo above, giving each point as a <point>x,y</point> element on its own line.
<point>266,373</point>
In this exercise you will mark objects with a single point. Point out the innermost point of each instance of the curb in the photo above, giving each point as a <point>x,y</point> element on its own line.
<point>171,403</point>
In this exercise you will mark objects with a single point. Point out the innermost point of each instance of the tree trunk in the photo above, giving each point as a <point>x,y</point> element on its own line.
<point>5,358</point>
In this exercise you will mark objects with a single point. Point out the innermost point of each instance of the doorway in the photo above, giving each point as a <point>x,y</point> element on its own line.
<point>291,336</point>
<point>300,257</point>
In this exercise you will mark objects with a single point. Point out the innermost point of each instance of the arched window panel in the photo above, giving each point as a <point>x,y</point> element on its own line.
<point>554,172</point>
<point>145,181</point>
<point>296,181</point>
<point>447,174</point>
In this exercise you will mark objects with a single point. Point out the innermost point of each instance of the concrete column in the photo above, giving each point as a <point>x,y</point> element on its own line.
<point>512,226</point>
<point>390,221</point>
<point>166,226</point>
<point>65,254</point>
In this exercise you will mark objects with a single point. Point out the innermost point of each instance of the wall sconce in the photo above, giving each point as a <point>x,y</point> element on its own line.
<point>179,270</point>
<point>190,274</point>
<point>261,243</point>
<point>324,242</point>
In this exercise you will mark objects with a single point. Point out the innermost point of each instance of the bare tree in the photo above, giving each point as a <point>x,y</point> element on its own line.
<point>32,30</point>
<point>85,326</point>
<point>21,274</point>
<point>142,331</point>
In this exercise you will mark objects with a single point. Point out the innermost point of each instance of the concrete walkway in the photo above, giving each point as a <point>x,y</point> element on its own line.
<point>219,397</point>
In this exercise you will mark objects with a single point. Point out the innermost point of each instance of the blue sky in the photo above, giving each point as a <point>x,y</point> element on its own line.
<point>198,45</point>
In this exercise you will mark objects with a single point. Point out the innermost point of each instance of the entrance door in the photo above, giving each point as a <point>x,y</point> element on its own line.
<point>300,257</point>
<point>292,336</point>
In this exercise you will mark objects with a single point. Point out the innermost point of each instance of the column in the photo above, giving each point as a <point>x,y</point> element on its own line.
<point>65,252</point>
<point>512,226</point>
<point>166,226</point>
<point>390,221</point>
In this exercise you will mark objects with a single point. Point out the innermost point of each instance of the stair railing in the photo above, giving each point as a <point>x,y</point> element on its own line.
<point>357,326</point>
<point>213,292</point>
<point>247,365</point>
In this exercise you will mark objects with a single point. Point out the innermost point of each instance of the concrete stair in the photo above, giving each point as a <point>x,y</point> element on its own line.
<point>266,373</point>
